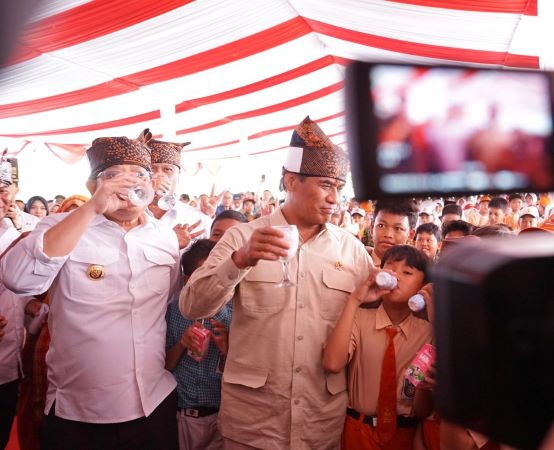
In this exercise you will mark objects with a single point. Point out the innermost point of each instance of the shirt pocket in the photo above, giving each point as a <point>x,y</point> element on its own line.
<point>258,291</point>
<point>157,270</point>
<point>93,272</point>
<point>337,285</point>
<point>251,377</point>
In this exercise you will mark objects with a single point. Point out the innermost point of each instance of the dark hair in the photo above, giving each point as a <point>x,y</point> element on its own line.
<point>282,186</point>
<point>409,254</point>
<point>33,200</point>
<point>457,225</point>
<point>429,228</point>
<point>515,196</point>
<point>452,208</point>
<point>500,203</point>
<point>184,197</point>
<point>230,214</point>
<point>59,197</point>
<point>246,200</point>
<point>405,208</point>
<point>496,230</point>
<point>197,252</point>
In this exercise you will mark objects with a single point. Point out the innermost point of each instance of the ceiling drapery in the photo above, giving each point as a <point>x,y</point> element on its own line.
<point>234,78</point>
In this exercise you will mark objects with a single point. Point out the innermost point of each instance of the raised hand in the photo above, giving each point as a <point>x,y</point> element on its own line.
<point>186,233</point>
<point>368,291</point>
<point>265,243</point>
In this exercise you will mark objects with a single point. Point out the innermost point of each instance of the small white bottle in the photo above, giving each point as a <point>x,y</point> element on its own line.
<point>416,302</point>
<point>385,280</point>
<point>33,325</point>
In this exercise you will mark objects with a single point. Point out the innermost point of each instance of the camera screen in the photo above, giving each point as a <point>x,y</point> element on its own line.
<point>448,129</point>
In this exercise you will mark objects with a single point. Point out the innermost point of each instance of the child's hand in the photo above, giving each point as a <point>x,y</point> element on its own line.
<point>189,340</point>
<point>368,291</point>
<point>429,382</point>
<point>427,292</point>
<point>220,336</point>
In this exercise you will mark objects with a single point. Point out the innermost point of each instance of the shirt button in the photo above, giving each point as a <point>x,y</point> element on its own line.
<point>302,274</point>
<point>298,369</point>
<point>299,338</point>
<point>301,305</point>
<point>297,402</point>
<point>230,276</point>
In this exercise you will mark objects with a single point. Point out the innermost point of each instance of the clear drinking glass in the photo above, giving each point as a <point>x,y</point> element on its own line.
<point>139,195</point>
<point>292,237</point>
<point>167,199</point>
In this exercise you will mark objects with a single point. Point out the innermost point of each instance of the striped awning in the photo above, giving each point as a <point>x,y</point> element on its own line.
<point>232,77</point>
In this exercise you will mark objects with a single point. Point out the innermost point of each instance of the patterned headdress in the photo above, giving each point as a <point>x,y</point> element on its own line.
<point>111,151</point>
<point>312,153</point>
<point>165,152</point>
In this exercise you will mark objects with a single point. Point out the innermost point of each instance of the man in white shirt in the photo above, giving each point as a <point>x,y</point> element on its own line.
<point>11,343</point>
<point>166,167</point>
<point>8,232</point>
<point>110,270</point>
<point>21,220</point>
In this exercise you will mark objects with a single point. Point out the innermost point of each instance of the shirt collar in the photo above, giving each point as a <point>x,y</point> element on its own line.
<point>382,321</point>
<point>144,220</point>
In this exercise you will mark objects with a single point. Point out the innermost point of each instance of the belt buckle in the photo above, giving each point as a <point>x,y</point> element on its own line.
<point>374,421</point>
<point>191,412</point>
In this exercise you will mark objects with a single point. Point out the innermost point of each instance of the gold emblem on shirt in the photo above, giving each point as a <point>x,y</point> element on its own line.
<point>95,271</point>
<point>338,265</point>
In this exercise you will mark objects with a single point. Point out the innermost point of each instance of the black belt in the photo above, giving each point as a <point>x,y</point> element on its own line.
<point>199,411</point>
<point>401,421</point>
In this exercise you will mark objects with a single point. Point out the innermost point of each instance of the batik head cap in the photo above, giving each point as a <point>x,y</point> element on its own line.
<point>166,152</point>
<point>5,170</point>
<point>312,153</point>
<point>106,152</point>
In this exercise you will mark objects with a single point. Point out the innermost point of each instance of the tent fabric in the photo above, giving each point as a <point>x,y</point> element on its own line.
<point>232,77</point>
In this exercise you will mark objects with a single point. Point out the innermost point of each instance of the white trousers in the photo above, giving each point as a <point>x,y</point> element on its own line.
<point>198,433</point>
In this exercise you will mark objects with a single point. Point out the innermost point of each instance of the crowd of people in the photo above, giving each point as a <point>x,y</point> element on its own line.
<point>165,326</point>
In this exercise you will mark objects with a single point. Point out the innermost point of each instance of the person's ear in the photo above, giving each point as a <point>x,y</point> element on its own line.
<point>91,186</point>
<point>290,181</point>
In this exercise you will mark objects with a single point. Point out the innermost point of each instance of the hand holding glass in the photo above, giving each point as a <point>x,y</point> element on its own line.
<point>139,195</point>
<point>293,238</point>
<point>166,199</point>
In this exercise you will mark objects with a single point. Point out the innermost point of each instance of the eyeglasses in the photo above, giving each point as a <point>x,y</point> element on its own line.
<point>110,174</point>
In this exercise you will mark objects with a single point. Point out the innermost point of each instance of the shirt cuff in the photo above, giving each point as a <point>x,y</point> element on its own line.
<point>229,274</point>
<point>44,264</point>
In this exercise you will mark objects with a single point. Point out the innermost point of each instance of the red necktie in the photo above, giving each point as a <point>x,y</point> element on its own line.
<point>386,405</point>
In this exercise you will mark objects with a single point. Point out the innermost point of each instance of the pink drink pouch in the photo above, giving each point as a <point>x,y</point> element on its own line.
<point>419,367</point>
<point>203,335</point>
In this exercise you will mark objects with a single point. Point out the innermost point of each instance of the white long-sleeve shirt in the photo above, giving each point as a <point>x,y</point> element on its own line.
<point>8,234</point>
<point>12,308</point>
<point>107,354</point>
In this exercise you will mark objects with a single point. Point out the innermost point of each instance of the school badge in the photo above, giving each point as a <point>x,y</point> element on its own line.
<point>95,271</point>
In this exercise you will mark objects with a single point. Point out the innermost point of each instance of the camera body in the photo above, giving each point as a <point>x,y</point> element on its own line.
<point>494,333</point>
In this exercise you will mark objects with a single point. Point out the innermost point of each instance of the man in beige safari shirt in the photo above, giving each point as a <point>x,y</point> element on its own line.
<point>275,393</point>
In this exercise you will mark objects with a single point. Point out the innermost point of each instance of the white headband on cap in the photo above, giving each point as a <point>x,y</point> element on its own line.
<point>294,159</point>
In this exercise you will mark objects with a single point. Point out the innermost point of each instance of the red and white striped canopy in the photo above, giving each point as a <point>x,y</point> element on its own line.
<point>233,77</point>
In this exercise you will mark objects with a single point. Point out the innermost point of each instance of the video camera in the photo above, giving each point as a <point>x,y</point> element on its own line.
<point>416,131</point>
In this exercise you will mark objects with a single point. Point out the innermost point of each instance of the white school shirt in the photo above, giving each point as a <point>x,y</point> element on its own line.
<point>107,354</point>
<point>12,308</point>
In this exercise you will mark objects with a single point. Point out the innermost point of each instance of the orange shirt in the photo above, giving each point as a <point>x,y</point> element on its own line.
<point>367,348</point>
